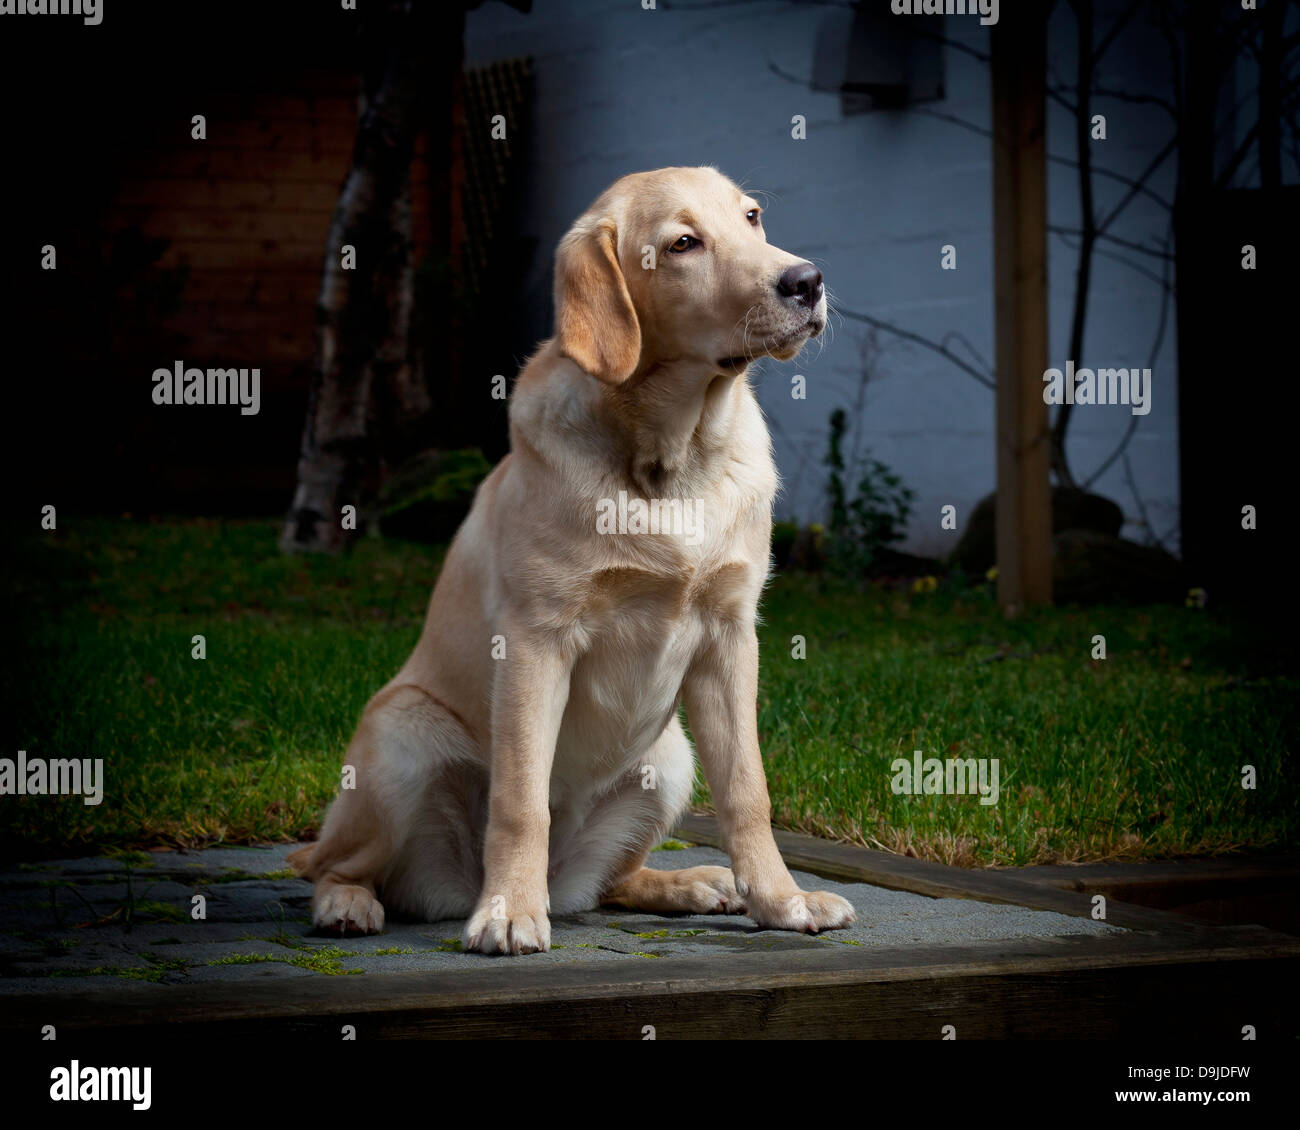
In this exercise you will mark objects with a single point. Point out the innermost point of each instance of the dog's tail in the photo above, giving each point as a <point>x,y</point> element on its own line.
<point>300,860</point>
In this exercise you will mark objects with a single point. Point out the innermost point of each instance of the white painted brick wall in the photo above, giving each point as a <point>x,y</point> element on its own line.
<point>871,198</point>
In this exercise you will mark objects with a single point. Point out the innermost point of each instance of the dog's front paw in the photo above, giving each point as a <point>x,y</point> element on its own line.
<point>809,912</point>
<point>495,927</point>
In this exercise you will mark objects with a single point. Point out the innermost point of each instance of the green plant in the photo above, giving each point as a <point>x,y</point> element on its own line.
<point>428,497</point>
<point>1110,761</point>
<point>876,515</point>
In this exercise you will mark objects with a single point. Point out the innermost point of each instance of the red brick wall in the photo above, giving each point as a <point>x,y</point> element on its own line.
<point>247,211</point>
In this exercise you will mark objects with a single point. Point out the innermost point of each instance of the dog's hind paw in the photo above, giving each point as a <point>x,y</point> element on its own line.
<point>348,910</point>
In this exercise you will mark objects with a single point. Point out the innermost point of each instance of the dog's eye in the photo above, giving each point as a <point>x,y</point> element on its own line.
<point>752,216</point>
<point>684,243</point>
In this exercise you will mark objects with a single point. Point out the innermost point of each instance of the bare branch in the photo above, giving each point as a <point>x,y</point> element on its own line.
<point>798,80</point>
<point>1141,270</point>
<point>1106,40</point>
<point>1247,144</point>
<point>1162,323</point>
<point>1137,186</point>
<point>1083,272</point>
<point>1271,97</point>
<point>956,46</point>
<point>954,335</point>
<point>1068,162</point>
<point>1153,252</point>
<point>1141,506</point>
<point>908,335</point>
<point>1136,99</point>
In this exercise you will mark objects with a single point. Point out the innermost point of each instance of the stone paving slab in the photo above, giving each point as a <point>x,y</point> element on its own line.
<point>101,922</point>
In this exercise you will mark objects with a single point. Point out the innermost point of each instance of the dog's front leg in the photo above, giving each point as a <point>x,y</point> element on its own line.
<point>721,697</point>
<point>530,691</point>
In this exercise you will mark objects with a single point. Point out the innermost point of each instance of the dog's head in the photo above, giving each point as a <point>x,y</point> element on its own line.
<point>674,266</point>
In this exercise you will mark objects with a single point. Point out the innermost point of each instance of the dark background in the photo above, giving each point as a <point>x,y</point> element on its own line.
<point>97,137</point>
<point>100,157</point>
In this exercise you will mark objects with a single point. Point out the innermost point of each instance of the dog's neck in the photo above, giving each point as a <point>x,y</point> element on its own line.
<point>674,419</point>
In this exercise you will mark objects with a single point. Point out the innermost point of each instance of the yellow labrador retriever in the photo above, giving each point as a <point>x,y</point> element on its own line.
<point>529,754</point>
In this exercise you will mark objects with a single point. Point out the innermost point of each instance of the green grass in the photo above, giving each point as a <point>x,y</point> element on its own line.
<point>1139,755</point>
<point>1136,756</point>
<point>242,746</point>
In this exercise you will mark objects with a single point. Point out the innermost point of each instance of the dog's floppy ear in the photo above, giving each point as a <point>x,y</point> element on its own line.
<point>595,322</point>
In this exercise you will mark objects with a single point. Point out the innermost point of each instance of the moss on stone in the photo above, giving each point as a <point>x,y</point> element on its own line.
<point>318,959</point>
<point>671,845</point>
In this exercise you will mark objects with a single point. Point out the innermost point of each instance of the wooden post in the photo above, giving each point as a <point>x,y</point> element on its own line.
<point>1024,509</point>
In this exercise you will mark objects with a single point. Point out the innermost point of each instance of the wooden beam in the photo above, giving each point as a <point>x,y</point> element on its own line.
<point>1163,987</point>
<point>1024,512</point>
<point>1161,976</point>
<point>1167,896</point>
<point>848,863</point>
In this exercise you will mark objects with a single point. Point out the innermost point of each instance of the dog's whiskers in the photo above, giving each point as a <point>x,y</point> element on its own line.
<point>744,342</point>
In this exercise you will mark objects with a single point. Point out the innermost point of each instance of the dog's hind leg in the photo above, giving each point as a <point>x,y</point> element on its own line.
<point>602,861</point>
<point>343,868</point>
<point>408,828</point>
<point>692,890</point>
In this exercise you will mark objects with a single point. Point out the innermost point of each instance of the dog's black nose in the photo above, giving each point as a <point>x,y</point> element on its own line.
<point>802,282</point>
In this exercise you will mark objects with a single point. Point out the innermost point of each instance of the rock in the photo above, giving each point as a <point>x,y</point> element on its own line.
<point>1072,509</point>
<point>1090,567</point>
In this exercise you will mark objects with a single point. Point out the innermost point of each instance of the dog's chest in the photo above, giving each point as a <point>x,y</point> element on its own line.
<point>666,575</point>
<point>642,631</point>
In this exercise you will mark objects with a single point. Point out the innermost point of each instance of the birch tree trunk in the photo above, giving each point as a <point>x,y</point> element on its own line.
<point>363,314</point>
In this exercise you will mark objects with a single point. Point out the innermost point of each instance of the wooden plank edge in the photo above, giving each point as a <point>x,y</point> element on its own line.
<point>851,863</point>
<point>444,993</point>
